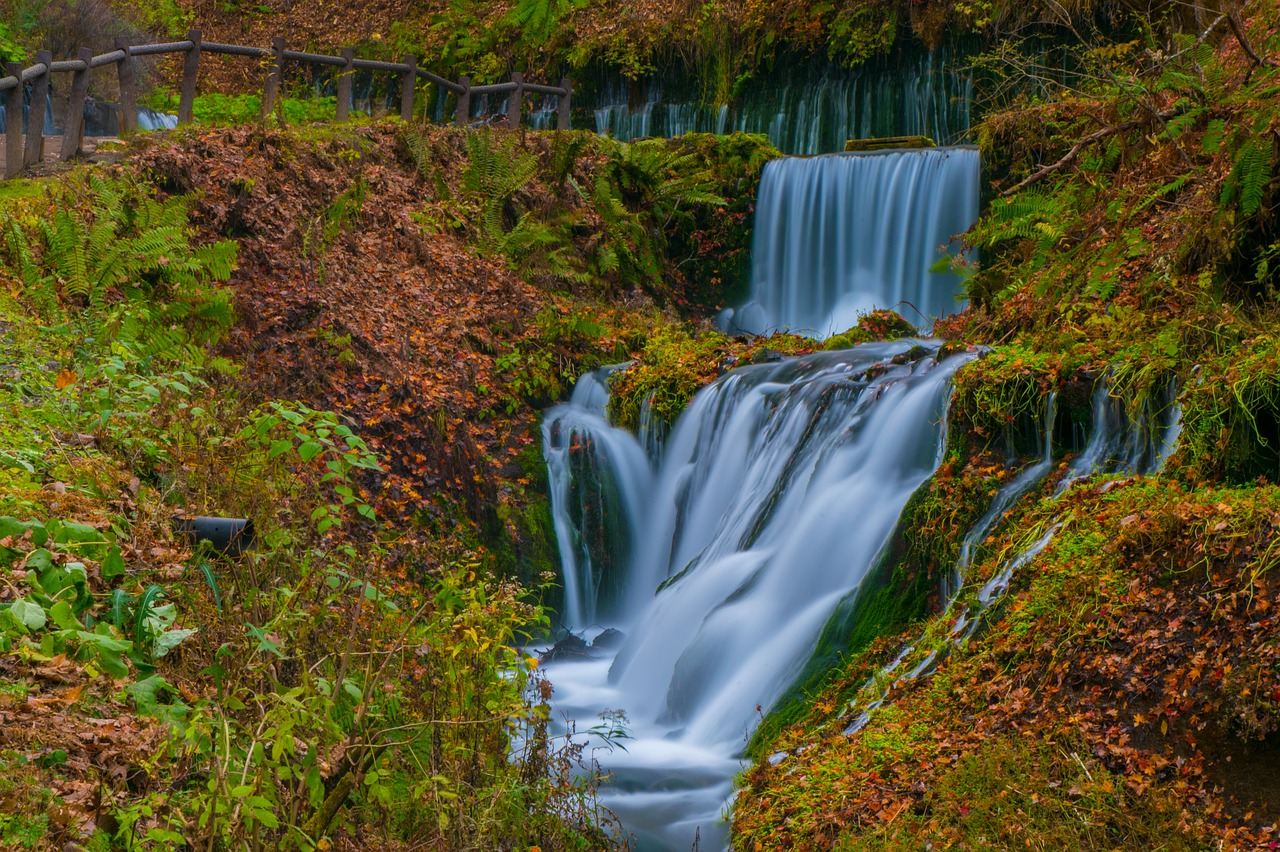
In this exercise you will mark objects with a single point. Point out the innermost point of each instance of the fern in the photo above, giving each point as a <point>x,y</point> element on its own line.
<point>1171,188</point>
<point>1180,124</point>
<point>1254,169</point>
<point>135,247</point>
<point>1213,134</point>
<point>497,169</point>
<point>537,19</point>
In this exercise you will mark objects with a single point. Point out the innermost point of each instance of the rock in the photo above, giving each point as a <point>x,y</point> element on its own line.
<point>608,639</point>
<point>766,356</point>
<point>570,647</point>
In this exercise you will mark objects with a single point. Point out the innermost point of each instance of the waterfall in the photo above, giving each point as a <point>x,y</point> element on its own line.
<point>838,235</point>
<point>1139,444</point>
<point>1127,441</point>
<point>808,107</point>
<point>599,478</point>
<point>775,492</point>
<point>101,118</point>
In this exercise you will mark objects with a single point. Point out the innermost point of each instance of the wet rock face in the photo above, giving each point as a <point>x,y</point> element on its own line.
<point>608,640</point>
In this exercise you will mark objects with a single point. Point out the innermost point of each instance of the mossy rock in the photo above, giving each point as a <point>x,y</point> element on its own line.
<point>888,143</point>
<point>876,325</point>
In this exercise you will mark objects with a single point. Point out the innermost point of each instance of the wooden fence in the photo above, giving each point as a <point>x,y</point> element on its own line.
<point>21,152</point>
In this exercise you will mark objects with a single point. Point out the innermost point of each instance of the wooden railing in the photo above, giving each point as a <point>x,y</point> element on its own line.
<point>20,152</point>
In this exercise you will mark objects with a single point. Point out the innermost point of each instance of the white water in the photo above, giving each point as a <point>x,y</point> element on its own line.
<point>839,235</point>
<point>1118,442</point>
<point>597,472</point>
<point>776,490</point>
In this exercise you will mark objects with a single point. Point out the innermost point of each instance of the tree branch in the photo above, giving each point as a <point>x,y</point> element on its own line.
<point>1070,157</point>
<point>1243,41</point>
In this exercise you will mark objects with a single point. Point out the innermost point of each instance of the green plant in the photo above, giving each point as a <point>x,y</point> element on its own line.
<point>497,169</point>
<point>10,49</point>
<point>537,19</point>
<point>126,244</point>
<point>314,438</point>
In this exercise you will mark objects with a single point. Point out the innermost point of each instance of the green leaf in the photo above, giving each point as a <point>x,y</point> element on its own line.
<point>39,560</point>
<point>211,580</point>
<point>118,610</point>
<point>113,565</point>
<point>265,643</point>
<point>62,615</point>
<point>28,614</point>
<point>146,693</point>
<point>149,597</point>
<point>169,640</point>
<point>309,450</point>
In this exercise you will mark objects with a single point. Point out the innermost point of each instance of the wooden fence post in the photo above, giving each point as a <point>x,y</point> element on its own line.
<point>128,88</point>
<point>13,122</point>
<point>513,105</point>
<point>562,117</point>
<point>271,90</point>
<point>35,119</point>
<point>73,126</point>
<point>190,70</point>
<point>344,83</point>
<point>408,87</point>
<point>462,116</point>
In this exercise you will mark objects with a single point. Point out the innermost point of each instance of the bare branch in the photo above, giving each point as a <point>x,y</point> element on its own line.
<point>1070,157</point>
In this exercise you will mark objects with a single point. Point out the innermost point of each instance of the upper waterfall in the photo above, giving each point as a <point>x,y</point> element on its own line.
<point>805,108</point>
<point>838,235</point>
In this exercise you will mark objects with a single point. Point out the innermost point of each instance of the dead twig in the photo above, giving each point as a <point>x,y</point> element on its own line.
<point>1084,141</point>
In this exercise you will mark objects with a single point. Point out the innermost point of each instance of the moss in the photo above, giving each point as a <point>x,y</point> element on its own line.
<point>1231,416</point>
<point>1000,398</point>
<point>714,244</point>
<point>876,325</point>
<point>519,533</point>
<point>1018,791</point>
<point>673,366</point>
<point>898,591</point>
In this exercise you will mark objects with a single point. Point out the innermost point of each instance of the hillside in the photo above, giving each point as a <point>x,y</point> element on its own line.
<point>348,334</point>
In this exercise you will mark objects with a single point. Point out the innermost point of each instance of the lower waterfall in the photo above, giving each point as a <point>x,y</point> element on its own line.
<point>776,489</point>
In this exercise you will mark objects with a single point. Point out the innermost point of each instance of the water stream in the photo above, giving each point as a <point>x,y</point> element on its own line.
<point>838,235</point>
<point>776,490</point>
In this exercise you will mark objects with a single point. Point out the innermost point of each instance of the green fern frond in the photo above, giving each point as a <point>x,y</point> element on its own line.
<point>1213,134</point>
<point>1254,168</point>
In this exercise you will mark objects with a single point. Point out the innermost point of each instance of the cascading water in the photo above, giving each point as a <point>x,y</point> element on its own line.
<point>776,490</point>
<point>1117,442</point>
<point>838,235</point>
<point>1124,441</point>
<point>600,479</point>
<point>807,109</point>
